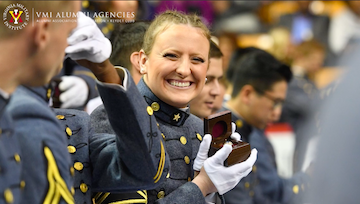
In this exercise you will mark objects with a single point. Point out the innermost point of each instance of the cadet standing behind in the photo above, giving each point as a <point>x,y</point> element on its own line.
<point>31,56</point>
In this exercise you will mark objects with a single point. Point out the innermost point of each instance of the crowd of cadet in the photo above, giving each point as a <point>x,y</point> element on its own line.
<point>119,119</point>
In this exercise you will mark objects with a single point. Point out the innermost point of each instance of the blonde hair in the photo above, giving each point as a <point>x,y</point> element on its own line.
<point>167,19</point>
<point>48,6</point>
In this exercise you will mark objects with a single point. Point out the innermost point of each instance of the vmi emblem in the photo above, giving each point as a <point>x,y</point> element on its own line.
<point>16,16</point>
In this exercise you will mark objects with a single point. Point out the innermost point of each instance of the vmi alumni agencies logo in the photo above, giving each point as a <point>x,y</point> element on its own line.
<point>16,16</point>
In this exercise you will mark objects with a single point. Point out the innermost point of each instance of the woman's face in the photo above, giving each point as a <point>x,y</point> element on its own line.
<point>176,67</point>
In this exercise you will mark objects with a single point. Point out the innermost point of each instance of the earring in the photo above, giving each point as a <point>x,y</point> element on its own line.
<point>142,71</point>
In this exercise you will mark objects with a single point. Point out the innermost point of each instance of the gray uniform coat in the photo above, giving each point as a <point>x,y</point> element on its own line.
<point>182,133</point>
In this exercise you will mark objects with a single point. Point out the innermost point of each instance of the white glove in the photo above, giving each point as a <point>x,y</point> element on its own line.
<point>226,178</point>
<point>87,41</point>
<point>202,154</point>
<point>75,91</point>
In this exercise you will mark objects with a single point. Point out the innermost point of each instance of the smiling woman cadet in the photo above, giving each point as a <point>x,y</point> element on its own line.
<point>174,61</point>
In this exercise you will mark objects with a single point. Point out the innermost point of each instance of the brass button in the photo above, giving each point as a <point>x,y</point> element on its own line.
<point>9,197</point>
<point>187,160</point>
<point>161,194</point>
<point>168,175</point>
<point>183,140</point>
<point>239,123</point>
<point>78,166</point>
<point>199,137</point>
<point>22,184</point>
<point>110,26</point>
<point>60,117</point>
<point>72,171</point>
<point>83,187</point>
<point>254,168</point>
<point>251,193</point>
<point>149,110</point>
<point>296,189</point>
<point>189,178</point>
<point>72,190</point>
<point>105,30</point>
<point>17,158</point>
<point>155,106</point>
<point>163,135</point>
<point>247,185</point>
<point>71,149</point>
<point>85,4</point>
<point>68,131</point>
<point>48,94</point>
<point>158,124</point>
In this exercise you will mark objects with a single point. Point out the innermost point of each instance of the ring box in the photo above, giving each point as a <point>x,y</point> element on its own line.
<point>219,126</point>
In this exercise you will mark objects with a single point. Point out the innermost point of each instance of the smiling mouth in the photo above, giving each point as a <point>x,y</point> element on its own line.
<point>180,84</point>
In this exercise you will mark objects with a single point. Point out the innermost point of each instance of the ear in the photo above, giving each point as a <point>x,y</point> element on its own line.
<point>143,63</point>
<point>135,60</point>
<point>41,34</point>
<point>246,94</point>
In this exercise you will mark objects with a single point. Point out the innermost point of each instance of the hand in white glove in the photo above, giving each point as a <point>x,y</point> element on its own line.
<point>75,91</point>
<point>202,154</point>
<point>87,41</point>
<point>226,178</point>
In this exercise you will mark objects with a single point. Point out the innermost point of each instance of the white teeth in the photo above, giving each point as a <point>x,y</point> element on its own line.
<point>180,84</point>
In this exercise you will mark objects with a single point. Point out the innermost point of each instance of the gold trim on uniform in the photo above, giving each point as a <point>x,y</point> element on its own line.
<point>168,175</point>
<point>155,106</point>
<point>57,186</point>
<point>163,135</point>
<point>72,190</point>
<point>183,140</point>
<point>149,110</point>
<point>161,164</point>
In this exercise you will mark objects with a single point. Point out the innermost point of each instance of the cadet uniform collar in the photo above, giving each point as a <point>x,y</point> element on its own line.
<point>3,103</point>
<point>162,110</point>
<point>44,92</point>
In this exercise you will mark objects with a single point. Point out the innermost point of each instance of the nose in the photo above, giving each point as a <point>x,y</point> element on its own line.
<point>276,113</point>
<point>215,88</point>
<point>184,68</point>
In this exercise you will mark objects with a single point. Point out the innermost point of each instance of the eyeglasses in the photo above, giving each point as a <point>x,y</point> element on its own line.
<point>277,102</point>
